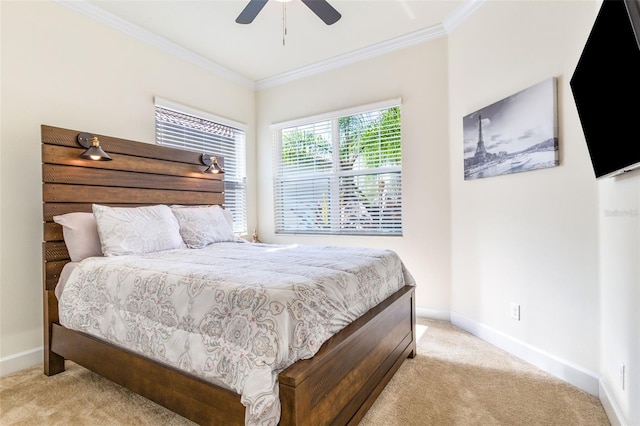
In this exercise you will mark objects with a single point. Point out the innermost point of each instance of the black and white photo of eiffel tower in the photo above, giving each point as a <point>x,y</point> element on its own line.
<point>516,134</point>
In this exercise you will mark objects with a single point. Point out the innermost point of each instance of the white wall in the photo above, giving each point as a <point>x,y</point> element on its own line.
<point>63,69</point>
<point>542,238</point>
<point>418,76</point>
<point>529,238</point>
<point>619,214</point>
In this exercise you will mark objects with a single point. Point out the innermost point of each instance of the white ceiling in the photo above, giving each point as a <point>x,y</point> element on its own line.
<point>206,33</point>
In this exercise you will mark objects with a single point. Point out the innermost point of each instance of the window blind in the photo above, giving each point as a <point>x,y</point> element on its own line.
<point>340,174</point>
<point>187,131</point>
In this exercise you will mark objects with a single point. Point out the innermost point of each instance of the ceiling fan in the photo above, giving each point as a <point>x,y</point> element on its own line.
<point>322,8</point>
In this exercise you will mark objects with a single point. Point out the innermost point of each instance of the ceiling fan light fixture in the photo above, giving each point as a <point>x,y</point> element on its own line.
<point>321,8</point>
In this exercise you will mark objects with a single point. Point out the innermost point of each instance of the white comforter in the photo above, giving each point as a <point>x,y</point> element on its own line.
<point>235,314</point>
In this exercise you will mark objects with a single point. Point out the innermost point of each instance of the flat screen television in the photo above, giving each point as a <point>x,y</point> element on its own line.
<point>606,88</point>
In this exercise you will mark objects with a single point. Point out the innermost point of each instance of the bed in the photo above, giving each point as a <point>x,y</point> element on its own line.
<point>335,386</point>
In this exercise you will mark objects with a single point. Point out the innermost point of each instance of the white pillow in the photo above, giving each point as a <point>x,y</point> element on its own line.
<point>201,226</point>
<point>137,230</point>
<point>227,214</point>
<point>229,217</point>
<point>80,234</point>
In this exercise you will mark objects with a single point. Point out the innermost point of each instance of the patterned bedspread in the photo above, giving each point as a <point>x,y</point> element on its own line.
<point>235,314</point>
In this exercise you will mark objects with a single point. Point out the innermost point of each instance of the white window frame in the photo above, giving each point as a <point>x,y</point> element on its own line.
<point>281,224</point>
<point>236,177</point>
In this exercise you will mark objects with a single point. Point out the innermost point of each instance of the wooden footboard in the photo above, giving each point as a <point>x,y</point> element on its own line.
<point>337,386</point>
<point>341,382</point>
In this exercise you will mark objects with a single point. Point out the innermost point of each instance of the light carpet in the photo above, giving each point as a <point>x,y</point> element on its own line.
<point>456,379</point>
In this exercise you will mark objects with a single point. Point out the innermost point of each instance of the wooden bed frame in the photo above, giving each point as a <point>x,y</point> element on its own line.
<point>337,386</point>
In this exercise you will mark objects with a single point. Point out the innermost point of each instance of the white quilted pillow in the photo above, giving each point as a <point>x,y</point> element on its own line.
<point>201,226</point>
<point>137,230</point>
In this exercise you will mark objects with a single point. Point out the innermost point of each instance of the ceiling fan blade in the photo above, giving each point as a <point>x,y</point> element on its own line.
<point>250,11</point>
<point>324,10</point>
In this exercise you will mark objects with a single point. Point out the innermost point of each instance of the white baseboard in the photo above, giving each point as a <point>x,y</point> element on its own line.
<point>571,373</point>
<point>610,406</point>
<point>433,314</point>
<point>20,361</point>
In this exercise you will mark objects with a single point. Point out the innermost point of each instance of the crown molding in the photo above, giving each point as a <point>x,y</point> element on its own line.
<point>369,52</point>
<point>459,15</point>
<point>462,12</point>
<point>155,40</point>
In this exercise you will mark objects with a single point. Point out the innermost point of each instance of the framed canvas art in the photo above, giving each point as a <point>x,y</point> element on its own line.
<point>517,134</point>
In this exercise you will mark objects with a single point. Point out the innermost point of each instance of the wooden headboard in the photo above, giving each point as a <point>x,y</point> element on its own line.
<point>140,174</point>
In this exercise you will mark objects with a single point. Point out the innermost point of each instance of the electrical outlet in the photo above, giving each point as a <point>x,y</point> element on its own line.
<point>621,374</point>
<point>515,311</point>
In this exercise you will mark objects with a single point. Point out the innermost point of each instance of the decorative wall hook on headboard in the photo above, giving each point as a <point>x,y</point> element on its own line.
<point>212,163</point>
<point>94,150</point>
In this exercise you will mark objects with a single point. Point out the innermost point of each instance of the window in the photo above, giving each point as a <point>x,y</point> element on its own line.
<point>182,127</point>
<point>340,173</point>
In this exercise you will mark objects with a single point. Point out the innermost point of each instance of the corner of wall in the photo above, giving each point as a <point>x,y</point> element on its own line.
<point>610,406</point>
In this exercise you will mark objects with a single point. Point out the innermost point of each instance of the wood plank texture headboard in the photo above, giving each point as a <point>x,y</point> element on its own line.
<point>140,174</point>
